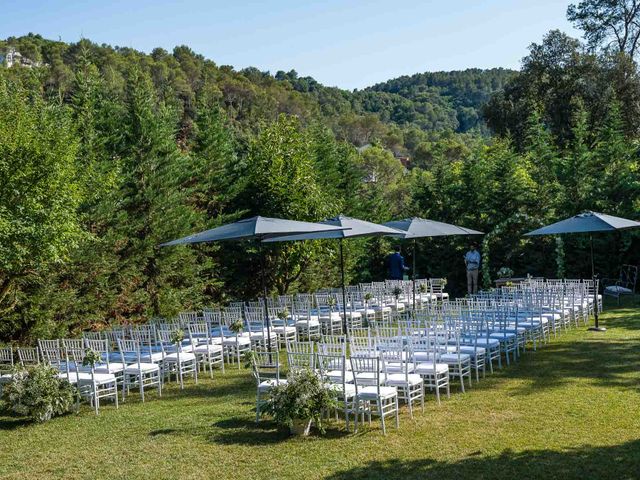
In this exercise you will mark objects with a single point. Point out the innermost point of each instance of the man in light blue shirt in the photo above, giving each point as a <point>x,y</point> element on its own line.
<point>472,261</point>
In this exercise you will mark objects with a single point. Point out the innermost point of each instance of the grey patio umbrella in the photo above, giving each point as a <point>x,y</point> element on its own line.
<point>587,222</point>
<point>350,228</point>
<point>415,227</point>
<point>255,228</point>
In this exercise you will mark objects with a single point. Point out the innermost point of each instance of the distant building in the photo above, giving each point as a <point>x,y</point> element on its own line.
<point>12,57</point>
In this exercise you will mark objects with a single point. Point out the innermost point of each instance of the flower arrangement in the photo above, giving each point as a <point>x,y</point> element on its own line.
<point>301,401</point>
<point>236,326</point>
<point>422,288</point>
<point>368,297</point>
<point>91,357</point>
<point>397,291</point>
<point>177,336</point>
<point>505,272</point>
<point>38,393</point>
<point>331,301</point>
<point>283,314</point>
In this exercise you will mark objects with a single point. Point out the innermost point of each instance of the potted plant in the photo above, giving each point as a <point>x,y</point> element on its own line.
<point>283,314</point>
<point>236,326</point>
<point>331,301</point>
<point>38,393</point>
<point>177,336</point>
<point>301,401</point>
<point>91,357</point>
<point>505,272</point>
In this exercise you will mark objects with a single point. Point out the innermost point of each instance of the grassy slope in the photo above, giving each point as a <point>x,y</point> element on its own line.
<point>571,410</point>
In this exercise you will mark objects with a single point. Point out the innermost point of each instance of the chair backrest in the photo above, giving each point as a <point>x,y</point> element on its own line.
<point>334,364</point>
<point>92,335</point>
<point>129,350</point>
<point>372,366</point>
<point>301,355</point>
<point>265,366</point>
<point>28,356</point>
<point>199,333</point>
<point>6,359</point>
<point>51,352</point>
<point>188,317</point>
<point>100,346</point>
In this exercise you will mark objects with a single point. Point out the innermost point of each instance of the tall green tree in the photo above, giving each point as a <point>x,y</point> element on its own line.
<point>40,194</point>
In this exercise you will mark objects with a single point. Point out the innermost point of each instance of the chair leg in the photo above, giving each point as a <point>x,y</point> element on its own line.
<point>397,414</point>
<point>379,406</point>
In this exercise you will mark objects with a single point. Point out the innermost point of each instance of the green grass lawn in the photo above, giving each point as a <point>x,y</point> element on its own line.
<point>570,410</point>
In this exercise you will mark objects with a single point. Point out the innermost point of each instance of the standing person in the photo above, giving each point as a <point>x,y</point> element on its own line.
<point>395,264</point>
<point>472,262</point>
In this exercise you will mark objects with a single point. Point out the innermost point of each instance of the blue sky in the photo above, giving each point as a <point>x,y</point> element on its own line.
<point>350,44</point>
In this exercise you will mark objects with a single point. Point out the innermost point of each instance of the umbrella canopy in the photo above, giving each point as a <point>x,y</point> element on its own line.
<point>350,228</point>
<point>420,227</point>
<point>343,227</point>
<point>586,222</point>
<point>253,228</point>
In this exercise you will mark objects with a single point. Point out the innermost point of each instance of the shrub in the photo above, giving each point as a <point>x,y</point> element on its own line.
<point>505,272</point>
<point>38,393</point>
<point>303,398</point>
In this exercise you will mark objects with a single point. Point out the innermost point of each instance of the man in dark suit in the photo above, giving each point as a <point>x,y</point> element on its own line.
<point>395,265</point>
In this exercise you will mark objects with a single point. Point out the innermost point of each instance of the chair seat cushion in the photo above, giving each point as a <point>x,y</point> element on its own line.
<point>472,351</point>
<point>422,356</point>
<point>233,341</point>
<point>488,342</point>
<point>348,392</point>
<point>335,376</point>
<point>184,357</point>
<point>399,379</point>
<point>208,349</point>
<point>113,367</point>
<point>151,357</point>
<point>283,330</point>
<point>145,367</point>
<point>429,369</point>
<point>308,323</point>
<point>453,358</point>
<point>5,377</point>
<point>267,385</point>
<point>398,367</point>
<point>371,393</point>
<point>366,378</point>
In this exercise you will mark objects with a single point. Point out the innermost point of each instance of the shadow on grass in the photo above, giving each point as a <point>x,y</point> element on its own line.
<point>244,431</point>
<point>239,385</point>
<point>11,423</point>
<point>620,462</point>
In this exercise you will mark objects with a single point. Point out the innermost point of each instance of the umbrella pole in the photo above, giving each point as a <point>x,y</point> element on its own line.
<point>344,292</point>
<point>413,276</point>
<point>597,327</point>
<point>264,293</point>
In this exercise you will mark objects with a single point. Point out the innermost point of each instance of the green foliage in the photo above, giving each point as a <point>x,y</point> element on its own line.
<point>38,393</point>
<point>236,326</point>
<point>303,397</point>
<point>177,336</point>
<point>40,192</point>
<point>610,24</point>
<point>91,357</point>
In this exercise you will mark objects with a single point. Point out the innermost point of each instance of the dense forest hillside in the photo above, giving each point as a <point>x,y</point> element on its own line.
<point>105,152</point>
<point>466,92</point>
